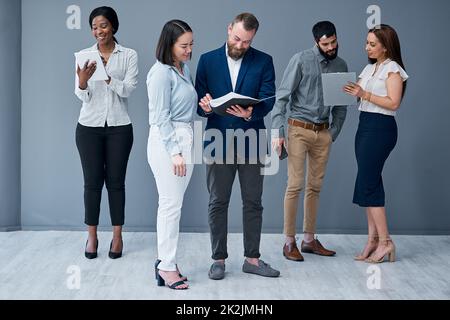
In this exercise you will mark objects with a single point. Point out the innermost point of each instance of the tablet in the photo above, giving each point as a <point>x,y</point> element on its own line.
<point>333,92</point>
<point>100,72</point>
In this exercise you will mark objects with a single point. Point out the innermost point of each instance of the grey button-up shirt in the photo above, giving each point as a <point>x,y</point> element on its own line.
<point>301,88</point>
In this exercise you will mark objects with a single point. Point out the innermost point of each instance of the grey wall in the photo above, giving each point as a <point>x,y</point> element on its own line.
<point>416,175</point>
<point>10,58</point>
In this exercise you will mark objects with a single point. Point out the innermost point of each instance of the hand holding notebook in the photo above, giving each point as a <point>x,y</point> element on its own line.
<point>221,104</point>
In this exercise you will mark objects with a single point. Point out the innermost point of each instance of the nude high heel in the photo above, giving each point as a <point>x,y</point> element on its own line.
<point>373,240</point>
<point>390,253</point>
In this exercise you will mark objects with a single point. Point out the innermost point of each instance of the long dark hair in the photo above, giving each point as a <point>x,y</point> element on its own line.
<point>110,14</point>
<point>171,31</point>
<point>389,39</point>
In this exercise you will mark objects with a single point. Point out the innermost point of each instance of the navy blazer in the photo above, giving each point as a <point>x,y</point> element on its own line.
<point>256,79</point>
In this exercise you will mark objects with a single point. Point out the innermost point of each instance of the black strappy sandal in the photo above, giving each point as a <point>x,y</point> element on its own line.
<point>156,273</point>
<point>161,282</point>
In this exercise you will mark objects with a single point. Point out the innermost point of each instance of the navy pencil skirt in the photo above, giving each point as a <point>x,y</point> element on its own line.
<point>375,139</point>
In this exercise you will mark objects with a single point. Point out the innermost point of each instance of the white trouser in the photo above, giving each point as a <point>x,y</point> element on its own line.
<point>171,190</point>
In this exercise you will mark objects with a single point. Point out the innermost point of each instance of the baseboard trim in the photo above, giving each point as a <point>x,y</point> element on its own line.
<point>10,228</point>
<point>188,229</point>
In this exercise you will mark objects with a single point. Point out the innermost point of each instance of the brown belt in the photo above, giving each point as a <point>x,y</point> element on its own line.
<point>308,125</point>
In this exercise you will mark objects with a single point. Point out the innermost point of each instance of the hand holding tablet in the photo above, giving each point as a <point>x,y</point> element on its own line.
<point>93,61</point>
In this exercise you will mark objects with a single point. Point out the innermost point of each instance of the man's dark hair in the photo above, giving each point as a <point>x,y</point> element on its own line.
<point>323,28</point>
<point>249,20</point>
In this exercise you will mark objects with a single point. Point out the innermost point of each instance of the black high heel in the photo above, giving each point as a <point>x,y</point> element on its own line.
<point>161,282</point>
<point>115,255</point>
<point>156,274</point>
<point>91,255</point>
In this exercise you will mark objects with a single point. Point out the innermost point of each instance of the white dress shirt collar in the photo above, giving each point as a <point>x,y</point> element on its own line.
<point>233,66</point>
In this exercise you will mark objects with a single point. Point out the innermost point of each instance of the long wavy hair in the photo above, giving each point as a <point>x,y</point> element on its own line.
<point>389,39</point>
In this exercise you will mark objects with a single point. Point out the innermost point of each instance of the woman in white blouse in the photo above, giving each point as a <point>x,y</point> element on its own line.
<point>104,134</point>
<point>380,87</point>
<point>172,105</point>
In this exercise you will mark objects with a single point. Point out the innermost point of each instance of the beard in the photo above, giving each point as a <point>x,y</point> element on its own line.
<point>235,53</point>
<point>328,56</point>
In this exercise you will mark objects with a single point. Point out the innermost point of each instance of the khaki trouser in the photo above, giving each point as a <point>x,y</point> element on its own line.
<point>314,146</point>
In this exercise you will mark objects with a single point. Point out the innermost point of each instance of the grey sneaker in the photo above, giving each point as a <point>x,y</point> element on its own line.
<point>217,271</point>
<point>263,269</point>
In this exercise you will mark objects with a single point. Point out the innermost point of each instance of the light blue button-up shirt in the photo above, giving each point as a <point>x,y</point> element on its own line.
<point>172,98</point>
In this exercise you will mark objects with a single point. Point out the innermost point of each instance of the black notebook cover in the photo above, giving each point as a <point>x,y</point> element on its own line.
<point>244,103</point>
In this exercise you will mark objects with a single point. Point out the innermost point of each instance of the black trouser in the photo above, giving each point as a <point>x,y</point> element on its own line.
<point>220,179</point>
<point>104,154</point>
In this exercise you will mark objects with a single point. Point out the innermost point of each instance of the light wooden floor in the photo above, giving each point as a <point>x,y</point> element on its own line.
<point>37,265</point>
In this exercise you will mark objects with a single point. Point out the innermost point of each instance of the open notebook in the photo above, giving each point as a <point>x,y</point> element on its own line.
<point>220,105</point>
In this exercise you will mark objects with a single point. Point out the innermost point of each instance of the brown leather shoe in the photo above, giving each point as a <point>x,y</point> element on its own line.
<point>290,251</point>
<point>316,247</point>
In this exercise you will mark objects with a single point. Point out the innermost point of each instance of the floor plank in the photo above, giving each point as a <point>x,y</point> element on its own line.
<point>34,265</point>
